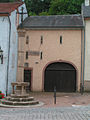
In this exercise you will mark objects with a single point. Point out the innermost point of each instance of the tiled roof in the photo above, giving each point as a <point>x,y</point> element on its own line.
<point>53,21</point>
<point>9,7</point>
<point>86,11</point>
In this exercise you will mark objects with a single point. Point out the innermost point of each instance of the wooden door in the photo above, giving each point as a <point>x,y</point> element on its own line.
<point>60,75</point>
<point>27,78</point>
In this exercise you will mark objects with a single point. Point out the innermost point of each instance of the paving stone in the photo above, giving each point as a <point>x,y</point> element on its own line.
<point>58,113</point>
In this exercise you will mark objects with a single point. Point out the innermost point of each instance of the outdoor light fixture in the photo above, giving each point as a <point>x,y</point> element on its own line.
<point>1,55</point>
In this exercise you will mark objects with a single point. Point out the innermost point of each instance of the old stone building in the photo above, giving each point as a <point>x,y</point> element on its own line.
<point>86,15</point>
<point>50,52</point>
<point>9,20</point>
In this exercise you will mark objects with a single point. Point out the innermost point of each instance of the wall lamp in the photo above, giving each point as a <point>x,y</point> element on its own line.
<point>1,55</point>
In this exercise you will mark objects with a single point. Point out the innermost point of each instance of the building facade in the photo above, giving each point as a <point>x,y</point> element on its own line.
<point>9,20</point>
<point>50,53</point>
<point>86,15</point>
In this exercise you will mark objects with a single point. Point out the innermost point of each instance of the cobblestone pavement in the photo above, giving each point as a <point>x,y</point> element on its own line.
<point>51,113</point>
<point>63,99</point>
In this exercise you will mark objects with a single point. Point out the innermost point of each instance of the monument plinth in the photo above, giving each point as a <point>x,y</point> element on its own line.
<point>19,96</point>
<point>20,87</point>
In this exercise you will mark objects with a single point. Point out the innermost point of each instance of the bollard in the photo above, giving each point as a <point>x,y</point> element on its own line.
<point>55,95</point>
<point>81,89</point>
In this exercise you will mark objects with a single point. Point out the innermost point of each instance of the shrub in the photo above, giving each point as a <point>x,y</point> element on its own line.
<point>1,95</point>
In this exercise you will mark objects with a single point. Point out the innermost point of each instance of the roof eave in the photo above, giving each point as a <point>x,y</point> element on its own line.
<point>86,16</point>
<point>4,14</point>
<point>53,28</point>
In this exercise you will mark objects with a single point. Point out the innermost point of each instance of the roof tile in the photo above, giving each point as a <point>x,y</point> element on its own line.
<point>86,11</point>
<point>53,21</point>
<point>9,7</point>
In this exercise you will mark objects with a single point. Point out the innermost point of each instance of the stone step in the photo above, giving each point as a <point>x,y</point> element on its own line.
<point>6,102</point>
<point>19,96</point>
<point>19,99</point>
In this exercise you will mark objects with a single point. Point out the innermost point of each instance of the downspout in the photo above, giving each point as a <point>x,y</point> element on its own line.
<point>84,60</point>
<point>82,55</point>
<point>8,54</point>
<point>81,64</point>
<point>83,51</point>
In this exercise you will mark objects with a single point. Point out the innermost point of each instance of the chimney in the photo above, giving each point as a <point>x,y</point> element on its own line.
<point>87,2</point>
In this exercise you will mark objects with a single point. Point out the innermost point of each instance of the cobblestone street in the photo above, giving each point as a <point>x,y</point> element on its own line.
<point>58,113</point>
<point>63,99</point>
<point>69,107</point>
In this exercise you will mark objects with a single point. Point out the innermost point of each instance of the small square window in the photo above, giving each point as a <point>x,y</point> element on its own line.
<point>26,65</point>
<point>41,55</point>
<point>27,40</point>
<point>26,54</point>
<point>41,39</point>
<point>60,39</point>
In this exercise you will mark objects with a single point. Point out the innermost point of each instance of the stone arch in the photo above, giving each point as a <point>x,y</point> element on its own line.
<point>54,75</point>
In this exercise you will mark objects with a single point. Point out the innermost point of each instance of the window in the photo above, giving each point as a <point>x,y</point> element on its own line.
<point>26,65</point>
<point>60,39</point>
<point>41,55</point>
<point>41,39</point>
<point>26,54</point>
<point>27,40</point>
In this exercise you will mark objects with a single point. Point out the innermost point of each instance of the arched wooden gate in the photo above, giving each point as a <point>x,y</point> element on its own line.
<point>62,75</point>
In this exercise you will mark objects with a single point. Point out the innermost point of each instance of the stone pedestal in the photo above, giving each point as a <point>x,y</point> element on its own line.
<point>20,87</point>
<point>19,97</point>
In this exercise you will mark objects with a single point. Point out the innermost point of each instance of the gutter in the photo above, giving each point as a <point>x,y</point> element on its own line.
<point>8,54</point>
<point>49,27</point>
<point>81,83</point>
<point>82,57</point>
<point>84,61</point>
<point>4,13</point>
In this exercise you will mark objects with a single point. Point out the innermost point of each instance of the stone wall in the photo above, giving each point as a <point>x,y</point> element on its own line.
<point>52,51</point>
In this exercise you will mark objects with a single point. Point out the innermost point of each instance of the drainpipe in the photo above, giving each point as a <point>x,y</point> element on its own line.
<point>84,50</point>
<point>8,55</point>
<point>81,64</point>
<point>82,58</point>
<point>82,54</point>
<point>84,61</point>
<point>81,84</point>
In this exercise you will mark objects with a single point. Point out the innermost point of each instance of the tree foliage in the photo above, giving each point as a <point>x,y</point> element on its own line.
<point>37,6</point>
<point>51,7</point>
<point>65,7</point>
<point>54,7</point>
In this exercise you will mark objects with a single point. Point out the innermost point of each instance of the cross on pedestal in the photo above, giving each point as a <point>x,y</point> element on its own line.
<point>22,13</point>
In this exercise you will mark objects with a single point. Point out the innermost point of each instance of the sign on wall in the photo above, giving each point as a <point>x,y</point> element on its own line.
<point>34,53</point>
